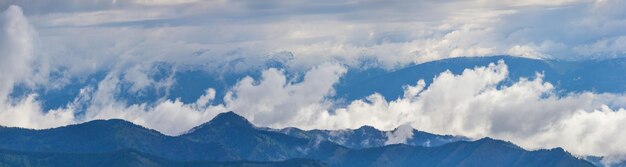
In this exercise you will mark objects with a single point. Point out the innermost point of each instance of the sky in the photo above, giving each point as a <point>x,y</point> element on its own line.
<point>43,44</point>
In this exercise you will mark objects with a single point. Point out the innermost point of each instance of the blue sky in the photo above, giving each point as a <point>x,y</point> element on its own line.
<point>47,44</point>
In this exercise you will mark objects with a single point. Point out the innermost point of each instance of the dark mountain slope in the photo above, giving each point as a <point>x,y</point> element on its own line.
<point>251,143</point>
<point>368,137</point>
<point>484,152</point>
<point>127,158</point>
<point>106,136</point>
<point>230,137</point>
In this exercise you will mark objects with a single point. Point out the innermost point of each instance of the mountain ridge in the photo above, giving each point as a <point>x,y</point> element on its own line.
<point>230,137</point>
<point>228,118</point>
<point>128,157</point>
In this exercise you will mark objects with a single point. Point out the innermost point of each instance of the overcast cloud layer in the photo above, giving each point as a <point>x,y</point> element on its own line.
<point>105,33</point>
<point>77,38</point>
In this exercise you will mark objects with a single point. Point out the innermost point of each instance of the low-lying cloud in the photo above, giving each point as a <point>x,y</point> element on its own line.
<point>399,135</point>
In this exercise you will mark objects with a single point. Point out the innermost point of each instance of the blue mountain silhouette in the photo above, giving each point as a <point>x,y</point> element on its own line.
<point>231,140</point>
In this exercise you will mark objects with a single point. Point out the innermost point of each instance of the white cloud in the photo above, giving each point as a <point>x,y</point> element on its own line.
<point>170,117</point>
<point>273,101</point>
<point>208,96</point>
<point>28,113</point>
<point>16,47</point>
<point>395,33</point>
<point>399,135</point>
<point>277,101</point>
<point>17,41</point>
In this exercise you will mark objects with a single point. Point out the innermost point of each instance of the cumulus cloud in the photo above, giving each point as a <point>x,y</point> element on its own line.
<point>17,47</point>
<point>27,113</point>
<point>170,117</point>
<point>17,41</point>
<point>277,101</point>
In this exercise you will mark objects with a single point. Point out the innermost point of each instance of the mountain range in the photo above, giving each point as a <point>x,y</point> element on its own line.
<point>231,140</point>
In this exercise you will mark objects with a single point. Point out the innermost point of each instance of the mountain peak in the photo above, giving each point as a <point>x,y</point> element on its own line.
<point>230,119</point>
<point>489,140</point>
<point>367,128</point>
<point>225,119</point>
<point>110,123</point>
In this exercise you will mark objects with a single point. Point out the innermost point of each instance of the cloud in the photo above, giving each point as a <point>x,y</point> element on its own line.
<point>170,117</point>
<point>528,113</point>
<point>17,47</point>
<point>260,101</point>
<point>399,135</point>
<point>28,113</point>
<point>277,101</point>
<point>99,34</point>
<point>17,57</point>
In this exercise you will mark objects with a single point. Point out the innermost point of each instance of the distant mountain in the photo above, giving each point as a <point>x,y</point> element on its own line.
<point>128,158</point>
<point>485,152</point>
<point>368,137</point>
<point>230,137</point>
<point>108,136</point>
<point>251,143</point>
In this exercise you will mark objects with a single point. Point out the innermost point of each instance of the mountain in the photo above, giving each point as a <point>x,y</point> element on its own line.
<point>107,136</point>
<point>129,158</point>
<point>484,152</point>
<point>232,140</point>
<point>251,143</point>
<point>368,137</point>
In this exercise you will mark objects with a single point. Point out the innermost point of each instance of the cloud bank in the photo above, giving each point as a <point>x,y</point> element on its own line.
<point>100,34</point>
<point>17,42</point>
